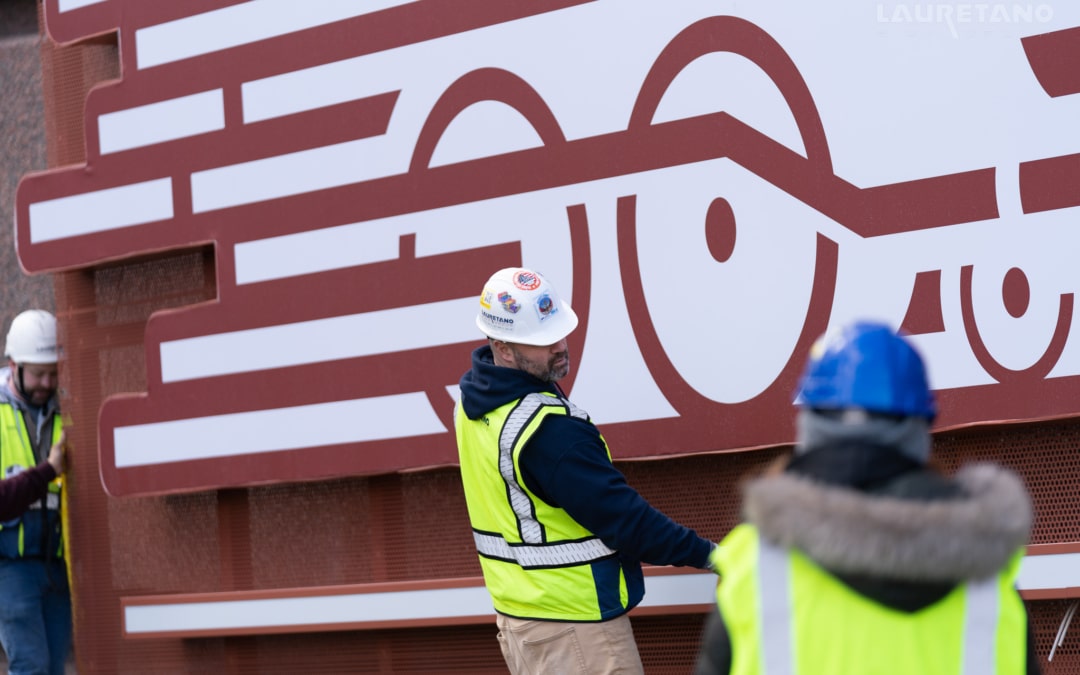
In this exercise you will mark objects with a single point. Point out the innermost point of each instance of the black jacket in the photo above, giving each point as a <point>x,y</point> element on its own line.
<point>566,464</point>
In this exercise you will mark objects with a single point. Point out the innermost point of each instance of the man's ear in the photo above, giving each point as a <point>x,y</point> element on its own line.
<point>501,352</point>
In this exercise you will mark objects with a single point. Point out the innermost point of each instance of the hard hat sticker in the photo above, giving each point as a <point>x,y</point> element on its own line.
<point>508,303</point>
<point>545,307</point>
<point>485,299</point>
<point>527,281</point>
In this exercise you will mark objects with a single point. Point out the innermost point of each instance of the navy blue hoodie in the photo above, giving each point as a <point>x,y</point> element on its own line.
<point>565,463</point>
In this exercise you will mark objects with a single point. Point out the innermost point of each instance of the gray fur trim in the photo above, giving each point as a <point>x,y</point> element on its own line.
<point>852,532</point>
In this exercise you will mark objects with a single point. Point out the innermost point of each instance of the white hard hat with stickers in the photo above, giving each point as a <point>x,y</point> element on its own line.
<point>519,305</point>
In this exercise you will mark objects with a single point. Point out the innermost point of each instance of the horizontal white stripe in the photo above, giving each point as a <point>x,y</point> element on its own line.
<point>292,174</point>
<point>1037,572</point>
<point>306,426</point>
<point>68,5</point>
<point>541,555</point>
<point>326,249</point>
<point>242,24</point>
<point>335,609</point>
<point>663,590</point>
<point>342,337</point>
<point>319,86</point>
<point>102,210</point>
<point>674,590</point>
<point>162,121</point>
<point>1045,572</point>
<point>671,590</point>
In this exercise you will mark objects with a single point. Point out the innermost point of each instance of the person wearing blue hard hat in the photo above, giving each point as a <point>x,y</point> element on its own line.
<point>856,556</point>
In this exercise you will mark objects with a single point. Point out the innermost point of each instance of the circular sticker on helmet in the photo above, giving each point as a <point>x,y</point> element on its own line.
<point>545,307</point>
<point>527,281</point>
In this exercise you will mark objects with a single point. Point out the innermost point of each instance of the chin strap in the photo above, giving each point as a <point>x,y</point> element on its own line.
<point>19,388</point>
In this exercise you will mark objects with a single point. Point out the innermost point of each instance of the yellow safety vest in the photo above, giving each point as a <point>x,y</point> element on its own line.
<point>785,615</point>
<point>537,561</point>
<point>17,454</point>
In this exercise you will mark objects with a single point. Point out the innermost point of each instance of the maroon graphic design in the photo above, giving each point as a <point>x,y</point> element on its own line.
<point>411,378</point>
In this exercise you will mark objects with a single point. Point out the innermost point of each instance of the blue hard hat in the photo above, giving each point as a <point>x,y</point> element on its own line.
<point>868,366</point>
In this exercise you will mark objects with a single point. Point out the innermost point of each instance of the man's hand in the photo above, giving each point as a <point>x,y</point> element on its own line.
<point>58,452</point>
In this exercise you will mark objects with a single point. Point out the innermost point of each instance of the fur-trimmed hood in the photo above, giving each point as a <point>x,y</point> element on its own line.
<point>852,532</point>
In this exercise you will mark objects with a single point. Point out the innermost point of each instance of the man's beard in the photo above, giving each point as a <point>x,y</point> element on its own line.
<point>39,397</point>
<point>551,371</point>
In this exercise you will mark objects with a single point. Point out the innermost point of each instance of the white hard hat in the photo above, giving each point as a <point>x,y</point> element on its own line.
<point>32,338</point>
<point>519,305</point>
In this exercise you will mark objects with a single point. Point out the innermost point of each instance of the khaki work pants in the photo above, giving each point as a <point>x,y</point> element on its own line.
<point>557,648</point>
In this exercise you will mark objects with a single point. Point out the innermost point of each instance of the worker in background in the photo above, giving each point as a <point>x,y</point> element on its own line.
<point>560,534</point>
<point>35,604</point>
<point>20,491</point>
<point>856,557</point>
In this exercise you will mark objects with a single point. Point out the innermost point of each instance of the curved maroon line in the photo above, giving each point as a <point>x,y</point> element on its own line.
<point>1037,371</point>
<point>1052,57</point>
<point>679,393</point>
<point>496,84</point>
<point>580,249</point>
<point>579,245</point>
<point>484,84</point>
<point>737,36</point>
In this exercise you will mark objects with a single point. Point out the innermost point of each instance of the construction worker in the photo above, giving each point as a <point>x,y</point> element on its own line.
<point>560,534</point>
<point>35,605</point>
<point>856,557</point>
<point>20,491</point>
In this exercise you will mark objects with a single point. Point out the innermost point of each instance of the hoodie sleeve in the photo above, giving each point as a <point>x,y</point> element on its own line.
<point>23,489</point>
<point>565,463</point>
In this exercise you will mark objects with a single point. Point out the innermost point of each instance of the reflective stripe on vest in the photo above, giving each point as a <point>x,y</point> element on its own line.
<point>537,561</point>
<point>16,447</point>
<point>52,502</point>
<point>532,532</point>
<point>541,555</point>
<point>17,453</point>
<point>775,591</point>
<point>979,627</point>
<point>980,616</point>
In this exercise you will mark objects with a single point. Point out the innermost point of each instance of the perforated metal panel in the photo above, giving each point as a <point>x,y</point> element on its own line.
<point>1051,625</point>
<point>1047,457</point>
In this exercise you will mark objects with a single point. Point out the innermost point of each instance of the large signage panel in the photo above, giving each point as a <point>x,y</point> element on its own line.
<point>713,185</point>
